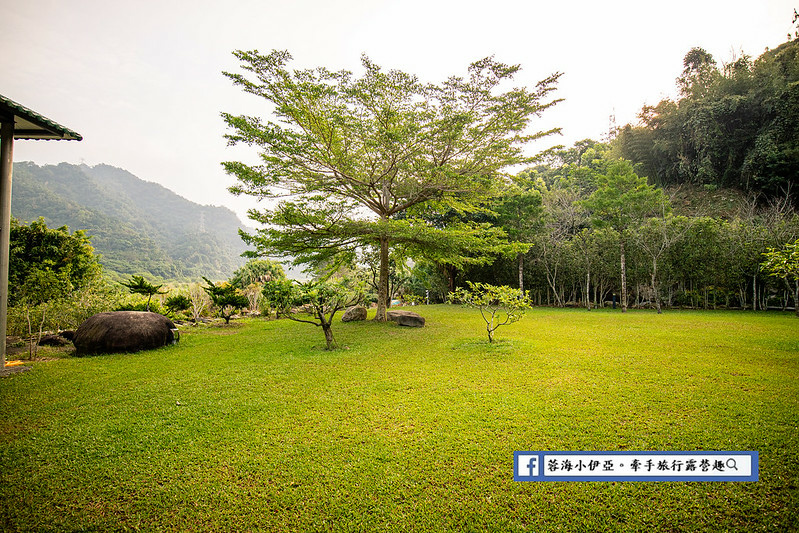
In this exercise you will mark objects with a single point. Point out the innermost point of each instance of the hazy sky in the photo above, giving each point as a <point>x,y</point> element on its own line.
<point>142,82</point>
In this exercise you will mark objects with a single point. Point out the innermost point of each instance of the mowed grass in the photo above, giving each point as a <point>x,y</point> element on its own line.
<point>256,427</point>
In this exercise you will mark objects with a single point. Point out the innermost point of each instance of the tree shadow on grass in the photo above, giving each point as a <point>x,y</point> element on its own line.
<point>483,347</point>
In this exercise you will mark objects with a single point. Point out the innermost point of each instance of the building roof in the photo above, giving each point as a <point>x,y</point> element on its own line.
<point>29,124</point>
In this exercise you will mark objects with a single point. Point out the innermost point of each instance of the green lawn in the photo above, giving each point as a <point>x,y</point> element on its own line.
<point>256,427</point>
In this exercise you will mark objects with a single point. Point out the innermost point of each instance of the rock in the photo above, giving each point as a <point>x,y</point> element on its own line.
<point>53,340</point>
<point>354,314</point>
<point>123,331</point>
<point>406,318</point>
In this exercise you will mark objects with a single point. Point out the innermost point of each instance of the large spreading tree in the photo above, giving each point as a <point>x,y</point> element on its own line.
<point>358,161</point>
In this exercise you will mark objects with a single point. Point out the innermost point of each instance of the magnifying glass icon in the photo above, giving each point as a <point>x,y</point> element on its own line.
<point>732,464</point>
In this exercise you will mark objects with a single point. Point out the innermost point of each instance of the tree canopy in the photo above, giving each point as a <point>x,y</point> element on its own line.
<point>225,297</point>
<point>139,285</point>
<point>784,264</point>
<point>353,158</point>
<point>735,125</point>
<point>35,248</point>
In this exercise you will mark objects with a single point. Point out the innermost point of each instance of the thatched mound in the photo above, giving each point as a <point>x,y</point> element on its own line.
<point>406,318</point>
<point>123,331</point>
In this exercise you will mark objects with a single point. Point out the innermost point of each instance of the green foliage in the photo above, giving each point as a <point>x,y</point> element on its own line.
<point>257,271</point>
<point>46,266</point>
<point>733,126</point>
<point>278,294</point>
<point>37,251</point>
<point>313,302</point>
<point>177,303</point>
<point>784,264</point>
<point>498,305</point>
<point>594,207</point>
<point>138,285</point>
<point>65,312</point>
<point>226,298</point>
<point>154,306</point>
<point>383,144</point>
<point>623,199</point>
<point>428,282</point>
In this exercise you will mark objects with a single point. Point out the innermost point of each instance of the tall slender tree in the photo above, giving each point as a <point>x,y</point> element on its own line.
<point>622,201</point>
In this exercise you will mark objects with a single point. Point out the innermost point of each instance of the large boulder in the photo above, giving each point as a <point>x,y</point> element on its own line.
<point>406,318</point>
<point>124,331</point>
<point>354,314</point>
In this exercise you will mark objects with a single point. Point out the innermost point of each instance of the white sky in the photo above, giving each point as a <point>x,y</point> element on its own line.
<point>142,82</point>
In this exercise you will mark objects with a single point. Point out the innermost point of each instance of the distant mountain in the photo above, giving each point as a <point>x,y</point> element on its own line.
<point>138,227</point>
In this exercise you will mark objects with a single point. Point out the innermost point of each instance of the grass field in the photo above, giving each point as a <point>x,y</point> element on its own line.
<point>256,427</point>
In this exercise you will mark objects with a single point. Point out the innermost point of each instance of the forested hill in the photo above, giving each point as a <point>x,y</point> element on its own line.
<point>734,125</point>
<point>137,226</point>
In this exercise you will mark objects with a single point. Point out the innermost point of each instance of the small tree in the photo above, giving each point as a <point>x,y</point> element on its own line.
<point>226,298</point>
<point>254,295</point>
<point>199,301</point>
<point>278,294</point>
<point>784,264</point>
<point>41,287</point>
<point>177,303</point>
<point>319,301</point>
<point>498,305</point>
<point>138,285</point>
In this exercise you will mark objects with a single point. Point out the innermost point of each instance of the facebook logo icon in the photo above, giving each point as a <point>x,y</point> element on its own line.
<point>527,465</point>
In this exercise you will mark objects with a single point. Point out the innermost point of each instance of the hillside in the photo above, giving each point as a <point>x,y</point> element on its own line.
<point>137,226</point>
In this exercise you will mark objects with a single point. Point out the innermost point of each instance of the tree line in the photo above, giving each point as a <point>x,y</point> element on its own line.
<point>407,183</point>
<point>596,231</point>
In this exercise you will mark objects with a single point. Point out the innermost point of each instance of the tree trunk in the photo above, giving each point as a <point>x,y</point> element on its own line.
<point>382,284</point>
<point>328,331</point>
<point>41,327</point>
<point>754,292</point>
<point>521,272</point>
<point>623,278</point>
<point>450,271</point>
<point>552,280</point>
<point>588,289</point>
<point>655,294</point>
<point>30,332</point>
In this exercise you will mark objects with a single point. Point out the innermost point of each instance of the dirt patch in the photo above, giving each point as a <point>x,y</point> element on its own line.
<point>14,369</point>
<point>17,350</point>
